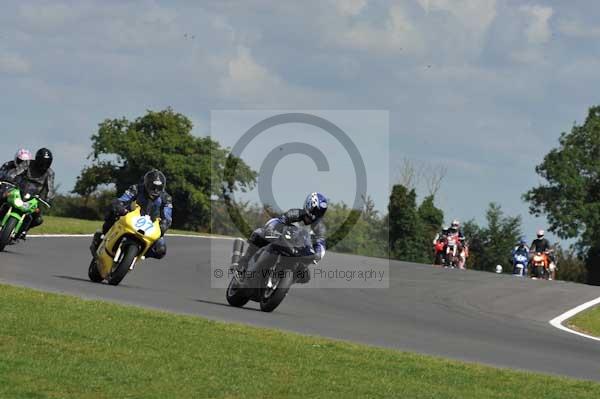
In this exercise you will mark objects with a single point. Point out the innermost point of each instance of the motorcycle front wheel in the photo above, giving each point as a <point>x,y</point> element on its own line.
<point>271,298</point>
<point>130,252</point>
<point>7,231</point>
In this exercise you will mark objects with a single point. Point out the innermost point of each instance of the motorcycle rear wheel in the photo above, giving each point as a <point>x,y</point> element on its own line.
<point>236,296</point>
<point>93,273</point>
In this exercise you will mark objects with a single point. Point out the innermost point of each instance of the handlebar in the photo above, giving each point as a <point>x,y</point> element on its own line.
<point>35,196</point>
<point>43,202</point>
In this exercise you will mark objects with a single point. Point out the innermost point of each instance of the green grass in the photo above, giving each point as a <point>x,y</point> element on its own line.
<point>587,322</point>
<point>55,346</point>
<point>62,225</point>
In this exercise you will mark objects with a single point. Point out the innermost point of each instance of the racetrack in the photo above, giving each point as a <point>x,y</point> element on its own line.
<point>473,316</point>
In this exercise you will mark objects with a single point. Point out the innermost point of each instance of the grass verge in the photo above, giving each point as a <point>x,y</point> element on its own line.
<point>55,346</point>
<point>587,322</point>
<point>62,225</point>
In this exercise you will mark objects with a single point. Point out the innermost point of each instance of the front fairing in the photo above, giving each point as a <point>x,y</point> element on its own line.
<point>25,205</point>
<point>134,226</point>
<point>520,259</point>
<point>293,242</point>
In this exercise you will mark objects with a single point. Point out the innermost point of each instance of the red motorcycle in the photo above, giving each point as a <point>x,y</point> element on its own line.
<point>439,246</point>
<point>450,251</point>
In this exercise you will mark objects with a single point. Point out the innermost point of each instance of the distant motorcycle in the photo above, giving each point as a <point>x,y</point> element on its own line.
<point>273,269</point>
<point>454,253</point>
<point>519,262</point>
<point>540,264</point>
<point>438,247</point>
<point>21,203</point>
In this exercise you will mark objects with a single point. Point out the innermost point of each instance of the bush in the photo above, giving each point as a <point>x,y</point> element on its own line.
<point>92,208</point>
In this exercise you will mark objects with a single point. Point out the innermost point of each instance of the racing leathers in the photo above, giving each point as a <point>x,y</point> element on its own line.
<point>41,184</point>
<point>10,170</point>
<point>161,207</point>
<point>257,239</point>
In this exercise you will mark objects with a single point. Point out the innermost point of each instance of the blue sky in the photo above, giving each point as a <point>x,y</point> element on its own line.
<point>481,87</point>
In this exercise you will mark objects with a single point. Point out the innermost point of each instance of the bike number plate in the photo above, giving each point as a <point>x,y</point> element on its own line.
<point>144,223</point>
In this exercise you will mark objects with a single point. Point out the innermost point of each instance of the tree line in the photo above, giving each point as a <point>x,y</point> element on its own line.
<point>201,184</point>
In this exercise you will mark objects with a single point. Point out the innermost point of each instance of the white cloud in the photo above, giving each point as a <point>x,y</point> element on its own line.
<point>350,8</point>
<point>578,29</point>
<point>14,64</point>
<point>396,34</point>
<point>476,15</point>
<point>48,16</point>
<point>538,30</point>
<point>246,78</point>
<point>253,84</point>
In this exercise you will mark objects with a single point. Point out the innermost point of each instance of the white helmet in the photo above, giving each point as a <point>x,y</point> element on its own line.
<point>23,155</point>
<point>455,224</point>
<point>540,234</point>
<point>499,269</point>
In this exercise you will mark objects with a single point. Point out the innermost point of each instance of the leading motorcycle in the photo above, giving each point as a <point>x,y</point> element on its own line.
<point>273,269</point>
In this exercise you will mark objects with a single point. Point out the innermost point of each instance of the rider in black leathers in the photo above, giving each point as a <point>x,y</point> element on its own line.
<point>312,214</point>
<point>40,176</point>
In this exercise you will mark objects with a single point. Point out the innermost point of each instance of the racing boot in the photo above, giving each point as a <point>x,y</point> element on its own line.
<point>98,237</point>
<point>302,274</point>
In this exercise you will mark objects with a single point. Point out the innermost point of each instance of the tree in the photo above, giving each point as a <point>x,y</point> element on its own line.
<point>570,196</point>
<point>492,245</point>
<point>404,225</point>
<point>430,221</point>
<point>123,151</point>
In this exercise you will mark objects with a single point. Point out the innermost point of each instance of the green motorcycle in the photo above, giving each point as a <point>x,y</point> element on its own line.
<point>20,204</point>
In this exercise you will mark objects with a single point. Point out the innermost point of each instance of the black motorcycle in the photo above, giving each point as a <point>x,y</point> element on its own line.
<point>273,269</point>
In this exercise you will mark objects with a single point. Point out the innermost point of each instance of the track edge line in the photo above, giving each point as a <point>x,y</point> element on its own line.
<point>559,320</point>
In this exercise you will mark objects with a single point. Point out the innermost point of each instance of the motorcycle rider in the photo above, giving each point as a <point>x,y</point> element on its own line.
<point>154,201</point>
<point>461,248</point>
<point>441,235</point>
<point>542,245</point>
<point>311,214</point>
<point>11,169</point>
<point>455,229</point>
<point>439,246</point>
<point>520,249</point>
<point>40,176</point>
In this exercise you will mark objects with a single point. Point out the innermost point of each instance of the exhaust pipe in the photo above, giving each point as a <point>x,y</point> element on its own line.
<point>238,250</point>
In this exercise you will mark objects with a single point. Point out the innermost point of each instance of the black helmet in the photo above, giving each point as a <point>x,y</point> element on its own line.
<point>154,183</point>
<point>43,160</point>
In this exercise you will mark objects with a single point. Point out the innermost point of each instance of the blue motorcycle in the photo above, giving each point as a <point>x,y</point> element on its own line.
<point>520,261</point>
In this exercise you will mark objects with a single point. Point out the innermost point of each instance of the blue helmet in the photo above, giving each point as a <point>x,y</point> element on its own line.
<point>315,206</point>
<point>522,241</point>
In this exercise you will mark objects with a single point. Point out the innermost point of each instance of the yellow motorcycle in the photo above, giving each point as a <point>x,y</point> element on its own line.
<point>126,243</point>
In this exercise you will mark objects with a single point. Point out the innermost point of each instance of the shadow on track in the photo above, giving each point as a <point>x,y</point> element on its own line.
<point>91,282</point>
<point>223,304</point>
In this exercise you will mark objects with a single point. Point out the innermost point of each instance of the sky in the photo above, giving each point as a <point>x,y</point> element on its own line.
<point>483,88</point>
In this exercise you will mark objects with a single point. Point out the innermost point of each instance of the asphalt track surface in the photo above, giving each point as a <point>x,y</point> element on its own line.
<point>467,315</point>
